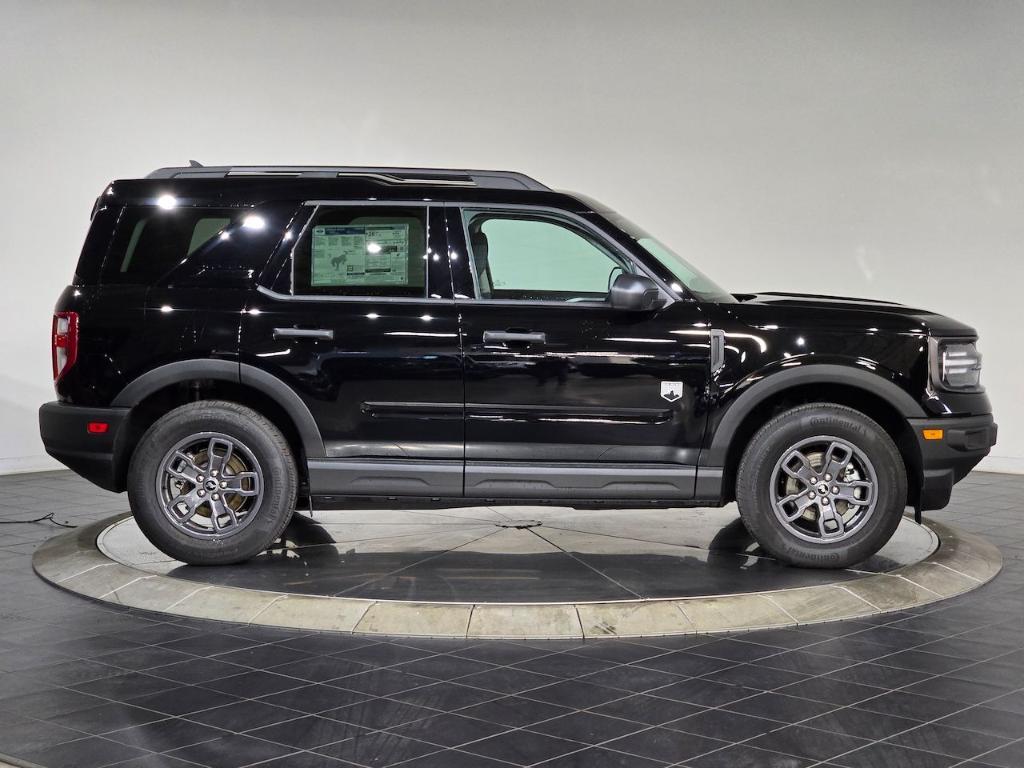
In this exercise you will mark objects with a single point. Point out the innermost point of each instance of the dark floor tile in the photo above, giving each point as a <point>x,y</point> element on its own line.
<point>910,705</point>
<point>888,755</point>
<point>443,667</point>
<point>231,751</point>
<point>600,757</point>
<point>756,676</point>
<point>449,730</point>
<point>575,694</point>
<point>453,759</point>
<point>380,713</point>
<point>50,703</point>
<point>382,654</point>
<point>89,752</point>
<point>378,749</point>
<point>686,664</point>
<point>952,689</point>
<point>707,693</point>
<point>321,669</point>
<point>647,710</point>
<point>745,756</point>
<point>514,711</point>
<point>446,696</point>
<point>304,760</point>
<point>253,683</point>
<point>997,722</point>
<point>70,673</point>
<point>315,698</point>
<point>28,735</point>
<point>308,732</point>
<point>155,761</point>
<point>877,675</point>
<point>522,747</point>
<point>196,670</point>
<point>242,716</point>
<point>165,735</point>
<point>1011,702</point>
<point>629,677</point>
<point>499,652</point>
<point>859,722</point>
<point>620,652</point>
<point>957,742</point>
<point>807,742</point>
<point>507,680</point>
<point>107,717</point>
<point>1010,756</point>
<point>564,665</point>
<point>263,656</point>
<point>587,727</point>
<point>665,744</point>
<point>209,644</point>
<point>831,691</point>
<point>183,700</point>
<point>724,725</point>
<point>382,682</point>
<point>125,686</point>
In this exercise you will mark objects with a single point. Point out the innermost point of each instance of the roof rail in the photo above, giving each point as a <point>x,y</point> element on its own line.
<point>430,177</point>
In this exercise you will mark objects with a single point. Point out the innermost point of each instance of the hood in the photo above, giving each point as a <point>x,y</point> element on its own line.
<point>845,311</point>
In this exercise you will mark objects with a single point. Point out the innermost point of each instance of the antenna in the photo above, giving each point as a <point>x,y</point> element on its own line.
<point>194,164</point>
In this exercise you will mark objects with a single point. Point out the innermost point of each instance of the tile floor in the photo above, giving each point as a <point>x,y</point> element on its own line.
<point>88,685</point>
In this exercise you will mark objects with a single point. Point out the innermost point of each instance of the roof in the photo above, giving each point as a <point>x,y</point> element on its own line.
<point>420,177</point>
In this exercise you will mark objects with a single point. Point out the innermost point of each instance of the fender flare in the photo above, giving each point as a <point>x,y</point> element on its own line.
<point>235,372</point>
<point>819,373</point>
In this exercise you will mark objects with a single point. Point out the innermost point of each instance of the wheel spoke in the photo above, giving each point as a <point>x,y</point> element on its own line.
<point>220,509</point>
<point>830,524</point>
<point>859,492</point>
<point>183,468</point>
<point>836,459</point>
<point>803,471</point>
<point>216,462</point>
<point>241,484</point>
<point>802,502</point>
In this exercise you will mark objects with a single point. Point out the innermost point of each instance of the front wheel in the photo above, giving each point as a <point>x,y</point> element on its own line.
<point>212,483</point>
<point>821,486</point>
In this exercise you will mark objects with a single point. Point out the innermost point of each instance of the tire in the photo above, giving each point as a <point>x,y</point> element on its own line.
<point>182,470</point>
<point>773,484</point>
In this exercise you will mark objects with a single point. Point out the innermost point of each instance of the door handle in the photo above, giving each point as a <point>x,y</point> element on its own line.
<point>513,337</point>
<point>304,333</point>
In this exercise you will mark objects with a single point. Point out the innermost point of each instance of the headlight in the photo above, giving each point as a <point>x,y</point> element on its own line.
<point>956,364</point>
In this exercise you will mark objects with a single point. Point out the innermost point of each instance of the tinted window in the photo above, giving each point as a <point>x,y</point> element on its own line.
<point>363,251</point>
<point>150,241</point>
<point>535,258</point>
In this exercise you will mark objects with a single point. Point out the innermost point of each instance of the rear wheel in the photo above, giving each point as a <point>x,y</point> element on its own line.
<point>821,486</point>
<point>212,483</point>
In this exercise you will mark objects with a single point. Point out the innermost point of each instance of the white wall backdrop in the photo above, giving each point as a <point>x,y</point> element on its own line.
<point>858,148</point>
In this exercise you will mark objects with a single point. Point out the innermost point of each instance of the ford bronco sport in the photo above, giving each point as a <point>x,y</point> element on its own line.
<point>238,341</point>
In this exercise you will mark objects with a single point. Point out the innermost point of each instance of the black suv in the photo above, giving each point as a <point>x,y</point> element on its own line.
<point>239,341</point>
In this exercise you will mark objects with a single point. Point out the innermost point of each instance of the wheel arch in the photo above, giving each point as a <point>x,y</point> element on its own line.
<point>876,397</point>
<point>161,389</point>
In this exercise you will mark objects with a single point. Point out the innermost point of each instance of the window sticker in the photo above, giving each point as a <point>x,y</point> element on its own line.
<point>370,254</point>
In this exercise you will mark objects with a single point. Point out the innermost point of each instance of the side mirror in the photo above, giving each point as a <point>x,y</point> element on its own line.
<point>634,293</point>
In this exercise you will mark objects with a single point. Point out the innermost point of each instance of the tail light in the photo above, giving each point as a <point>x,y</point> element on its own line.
<point>64,342</point>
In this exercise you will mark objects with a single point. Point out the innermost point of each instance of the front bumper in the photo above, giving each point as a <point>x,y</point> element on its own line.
<point>966,440</point>
<point>65,432</point>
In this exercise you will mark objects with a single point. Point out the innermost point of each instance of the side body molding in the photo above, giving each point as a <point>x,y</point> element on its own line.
<point>818,373</point>
<point>238,373</point>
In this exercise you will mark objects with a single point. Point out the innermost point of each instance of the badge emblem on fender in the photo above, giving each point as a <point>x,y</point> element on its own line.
<point>671,390</point>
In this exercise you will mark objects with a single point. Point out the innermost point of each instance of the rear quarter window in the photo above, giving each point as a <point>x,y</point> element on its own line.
<point>150,241</point>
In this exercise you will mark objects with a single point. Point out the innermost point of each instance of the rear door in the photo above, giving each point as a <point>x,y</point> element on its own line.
<point>567,397</point>
<point>360,322</point>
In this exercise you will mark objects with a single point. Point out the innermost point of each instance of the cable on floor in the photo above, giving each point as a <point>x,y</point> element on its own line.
<point>47,518</point>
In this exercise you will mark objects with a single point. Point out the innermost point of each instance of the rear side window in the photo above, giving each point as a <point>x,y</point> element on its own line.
<point>150,241</point>
<point>363,251</point>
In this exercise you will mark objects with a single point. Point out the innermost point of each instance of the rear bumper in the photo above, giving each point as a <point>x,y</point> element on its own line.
<point>966,441</point>
<point>66,437</point>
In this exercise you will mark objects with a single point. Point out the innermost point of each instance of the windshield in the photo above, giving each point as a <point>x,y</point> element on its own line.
<point>691,278</point>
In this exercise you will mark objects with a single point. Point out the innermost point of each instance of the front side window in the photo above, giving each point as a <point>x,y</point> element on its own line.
<point>150,241</point>
<point>528,257</point>
<point>363,251</point>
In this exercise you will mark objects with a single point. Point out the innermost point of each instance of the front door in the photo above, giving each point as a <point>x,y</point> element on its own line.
<point>361,324</point>
<point>565,396</point>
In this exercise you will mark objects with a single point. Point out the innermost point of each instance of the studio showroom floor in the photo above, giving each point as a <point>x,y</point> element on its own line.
<point>508,637</point>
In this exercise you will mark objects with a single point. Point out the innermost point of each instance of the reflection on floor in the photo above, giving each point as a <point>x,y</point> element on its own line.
<point>471,555</point>
<point>85,684</point>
